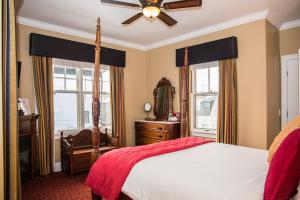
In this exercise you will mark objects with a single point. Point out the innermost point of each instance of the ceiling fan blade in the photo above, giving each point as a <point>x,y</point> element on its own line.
<point>159,2</point>
<point>121,3</point>
<point>142,2</point>
<point>182,4</point>
<point>166,19</point>
<point>131,19</point>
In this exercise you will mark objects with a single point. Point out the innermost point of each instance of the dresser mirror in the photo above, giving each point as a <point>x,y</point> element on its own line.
<point>163,99</point>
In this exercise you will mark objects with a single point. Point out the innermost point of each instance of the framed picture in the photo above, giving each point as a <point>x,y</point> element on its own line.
<point>24,105</point>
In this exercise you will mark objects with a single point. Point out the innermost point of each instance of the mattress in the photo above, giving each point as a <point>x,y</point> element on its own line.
<point>210,172</point>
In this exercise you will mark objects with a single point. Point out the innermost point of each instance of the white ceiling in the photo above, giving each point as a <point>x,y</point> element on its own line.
<point>81,15</point>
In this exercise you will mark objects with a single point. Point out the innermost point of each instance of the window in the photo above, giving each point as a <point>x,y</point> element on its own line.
<point>72,84</point>
<point>205,87</point>
<point>105,110</point>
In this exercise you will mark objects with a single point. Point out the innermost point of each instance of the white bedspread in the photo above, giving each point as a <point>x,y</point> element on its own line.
<point>209,172</point>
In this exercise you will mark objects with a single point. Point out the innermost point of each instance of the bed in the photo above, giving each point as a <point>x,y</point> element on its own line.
<point>210,171</point>
<point>193,168</point>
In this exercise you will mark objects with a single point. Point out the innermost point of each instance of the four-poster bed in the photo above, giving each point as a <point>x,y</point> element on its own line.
<point>185,168</point>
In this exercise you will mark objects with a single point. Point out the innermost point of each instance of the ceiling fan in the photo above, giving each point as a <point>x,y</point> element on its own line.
<point>153,8</point>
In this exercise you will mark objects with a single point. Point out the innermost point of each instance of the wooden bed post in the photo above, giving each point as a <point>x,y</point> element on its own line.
<point>96,103</point>
<point>184,98</point>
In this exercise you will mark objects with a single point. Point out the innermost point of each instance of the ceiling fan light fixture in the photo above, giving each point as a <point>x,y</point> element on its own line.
<point>151,11</point>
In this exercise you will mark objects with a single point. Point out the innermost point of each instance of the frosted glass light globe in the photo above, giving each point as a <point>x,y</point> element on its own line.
<point>151,11</point>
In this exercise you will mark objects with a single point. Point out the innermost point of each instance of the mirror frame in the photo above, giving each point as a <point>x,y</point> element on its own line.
<point>163,116</point>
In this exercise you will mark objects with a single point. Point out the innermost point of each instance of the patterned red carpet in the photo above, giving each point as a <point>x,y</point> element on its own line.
<point>58,186</point>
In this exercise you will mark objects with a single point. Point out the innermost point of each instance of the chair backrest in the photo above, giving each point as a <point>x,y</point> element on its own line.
<point>113,141</point>
<point>81,140</point>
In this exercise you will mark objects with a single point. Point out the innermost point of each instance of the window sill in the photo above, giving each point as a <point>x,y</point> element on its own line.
<point>75,131</point>
<point>204,134</point>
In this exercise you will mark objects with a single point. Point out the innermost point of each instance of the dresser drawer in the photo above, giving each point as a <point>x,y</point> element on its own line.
<point>152,131</point>
<point>146,140</point>
<point>155,134</point>
<point>150,126</point>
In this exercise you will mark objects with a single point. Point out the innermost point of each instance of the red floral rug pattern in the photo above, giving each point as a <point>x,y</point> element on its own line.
<point>57,186</point>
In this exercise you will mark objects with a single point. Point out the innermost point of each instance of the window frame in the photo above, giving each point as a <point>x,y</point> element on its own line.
<point>77,92</point>
<point>210,133</point>
<point>103,67</point>
<point>80,96</point>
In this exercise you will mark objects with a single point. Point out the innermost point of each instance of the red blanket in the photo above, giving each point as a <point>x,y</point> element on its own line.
<point>110,171</point>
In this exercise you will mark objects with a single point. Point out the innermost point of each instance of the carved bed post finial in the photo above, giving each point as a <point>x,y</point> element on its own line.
<point>186,61</point>
<point>96,104</point>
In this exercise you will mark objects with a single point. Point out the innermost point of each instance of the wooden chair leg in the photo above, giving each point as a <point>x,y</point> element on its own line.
<point>71,168</point>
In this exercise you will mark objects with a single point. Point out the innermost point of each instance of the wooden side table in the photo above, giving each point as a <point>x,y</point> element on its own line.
<point>27,145</point>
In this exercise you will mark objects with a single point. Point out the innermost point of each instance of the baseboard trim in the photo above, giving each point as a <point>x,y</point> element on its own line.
<point>57,167</point>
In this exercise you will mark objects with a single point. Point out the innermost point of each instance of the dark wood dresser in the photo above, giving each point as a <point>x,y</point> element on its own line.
<point>27,145</point>
<point>148,132</point>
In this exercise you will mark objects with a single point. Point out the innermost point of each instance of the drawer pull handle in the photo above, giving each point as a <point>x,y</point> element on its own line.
<point>160,136</point>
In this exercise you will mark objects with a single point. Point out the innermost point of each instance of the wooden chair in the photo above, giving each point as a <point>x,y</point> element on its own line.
<point>76,150</point>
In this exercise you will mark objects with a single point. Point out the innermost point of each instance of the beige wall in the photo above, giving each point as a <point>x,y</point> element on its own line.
<point>273,82</point>
<point>290,41</point>
<point>251,74</point>
<point>134,75</point>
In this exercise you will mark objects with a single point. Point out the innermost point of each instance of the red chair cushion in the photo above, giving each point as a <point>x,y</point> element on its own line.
<point>284,171</point>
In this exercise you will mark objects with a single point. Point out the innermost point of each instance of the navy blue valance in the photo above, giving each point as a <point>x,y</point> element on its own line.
<point>42,45</point>
<point>210,51</point>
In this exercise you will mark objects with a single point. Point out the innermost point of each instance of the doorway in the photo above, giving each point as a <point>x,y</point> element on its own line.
<point>289,88</point>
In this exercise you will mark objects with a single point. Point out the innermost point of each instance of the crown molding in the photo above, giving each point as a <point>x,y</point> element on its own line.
<point>211,29</point>
<point>74,32</point>
<point>290,24</point>
<point>200,32</point>
<point>273,22</point>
